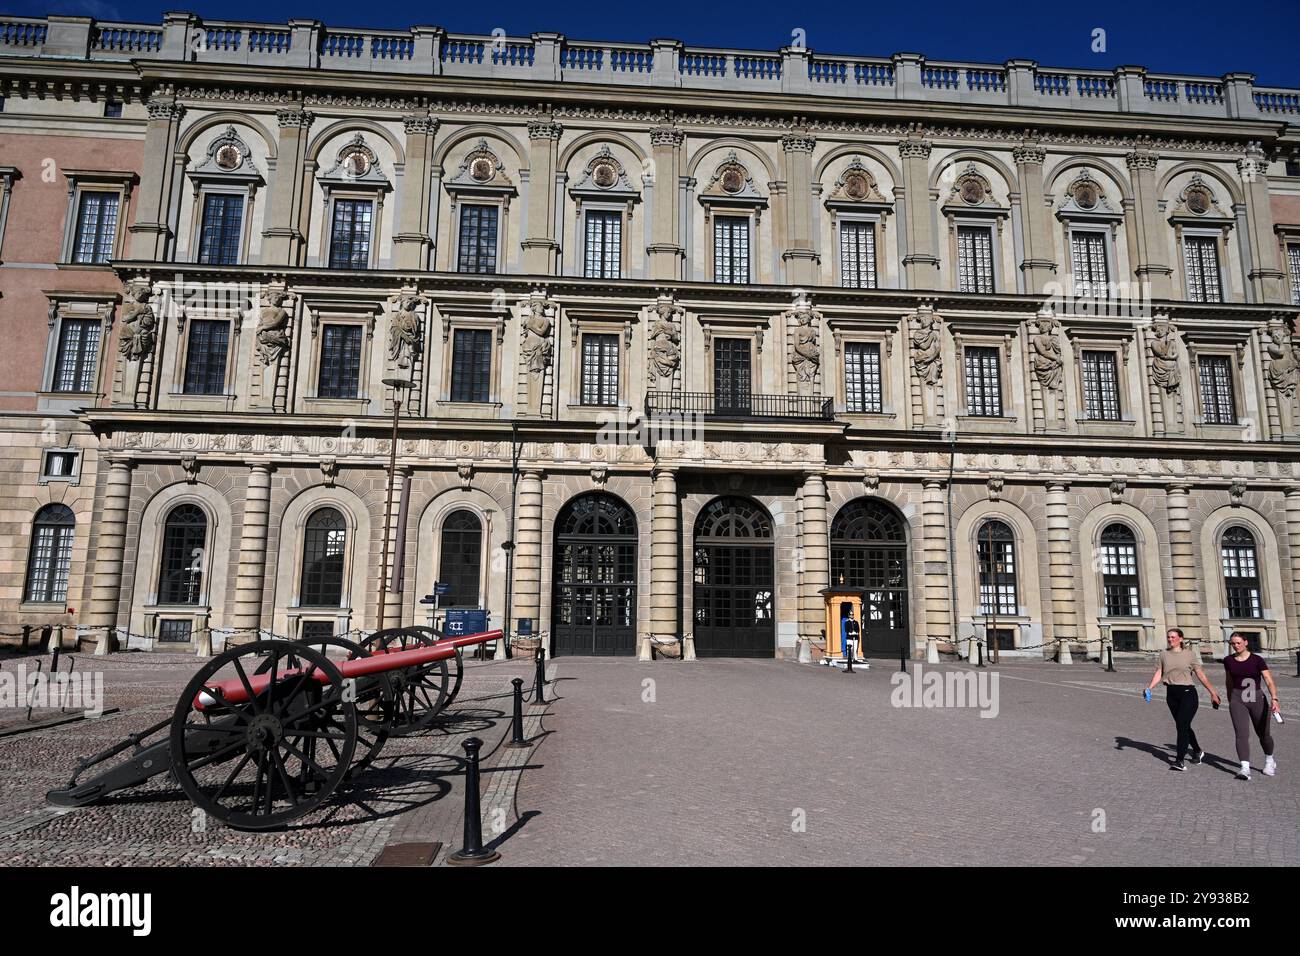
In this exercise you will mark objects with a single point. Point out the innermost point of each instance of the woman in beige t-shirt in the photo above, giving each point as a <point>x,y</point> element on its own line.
<point>1177,666</point>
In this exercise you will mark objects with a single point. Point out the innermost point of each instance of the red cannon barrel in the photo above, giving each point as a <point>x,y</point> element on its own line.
<point>234,691</point>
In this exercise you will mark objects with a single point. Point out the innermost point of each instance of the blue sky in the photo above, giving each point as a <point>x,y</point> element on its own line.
<point>1204,37</point>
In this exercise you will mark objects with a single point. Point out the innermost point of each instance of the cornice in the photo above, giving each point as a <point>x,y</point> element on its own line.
<point>273,87</point>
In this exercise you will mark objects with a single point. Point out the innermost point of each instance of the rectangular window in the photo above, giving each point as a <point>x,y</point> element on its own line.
<point>604,245</point>
<point>983,381</point>
<point>1088,260</point>
<point>477,250</point>
<point>340,361</point>
<point>600,370</point>
<point>60,464</point>
<point>74,367</point>
<point>112,109</point>
<point>96,227</point>
<point>223,218</point>
<point>317,630</point>
<point>862,385</point>
<point>350,233</point>
<point>1293,265</point>
<point>1100,386</point>
<point>1120,580</point>
<point>858,255</point>
<point>205,358</point>
<point>174,630</point>
<point>1201,257</point>
<point>731,250</point>
<point>974,259</point>
<point>471,365</point>
<point>1218,404</point>
<point>47,566</point>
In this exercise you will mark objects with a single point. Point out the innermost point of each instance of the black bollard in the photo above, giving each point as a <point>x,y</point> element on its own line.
<point>473,852</point>
<point>979,652</point>
<point>54,660</point>
<point>27,640</point>
<point>848,657</point>
<point>902,658</point>
<point>1297,663</point>
<point>539,678</point>
<point>1110,659</point>
<point>517,722</point>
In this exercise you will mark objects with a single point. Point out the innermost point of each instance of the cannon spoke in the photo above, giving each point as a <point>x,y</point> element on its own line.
<point>243,762</point>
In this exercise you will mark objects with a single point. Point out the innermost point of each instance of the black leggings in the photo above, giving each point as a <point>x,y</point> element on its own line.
<point>1247,715</point>
<point>1182,701</point>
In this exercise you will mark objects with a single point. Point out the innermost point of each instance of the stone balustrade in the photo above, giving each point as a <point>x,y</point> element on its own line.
<point>551,57</point>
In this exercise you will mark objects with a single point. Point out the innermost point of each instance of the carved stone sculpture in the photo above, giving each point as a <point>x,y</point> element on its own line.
<point>272,327</point>
<point>927,346</point>
<point>405,329</point>
<point>1164,356</point>
<point>1045,351</point>
<point>1284,375</point>
<point>139,324</point>
<point>538,322</point>
<point>665,340</point>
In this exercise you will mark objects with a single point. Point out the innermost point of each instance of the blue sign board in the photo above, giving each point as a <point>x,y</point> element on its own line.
<point>441,587</point>
<point>466,621</point>
<point>524,627</point>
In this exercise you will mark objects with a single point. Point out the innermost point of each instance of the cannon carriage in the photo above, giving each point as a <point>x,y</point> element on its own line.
<point>265,732</point>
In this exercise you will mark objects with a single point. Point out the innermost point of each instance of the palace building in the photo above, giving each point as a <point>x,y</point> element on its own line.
<point>672,340</point>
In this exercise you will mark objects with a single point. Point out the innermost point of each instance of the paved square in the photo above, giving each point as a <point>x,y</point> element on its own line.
<point>718,768</point>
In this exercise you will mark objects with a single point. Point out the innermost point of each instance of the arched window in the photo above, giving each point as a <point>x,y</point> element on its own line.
<point>1119,571</point>
<point>461,559</point>
<point>1240,573</point>
<point>180,578</point>
<point>996,547</point>
<point>323,552</point>
<point>50,555</point>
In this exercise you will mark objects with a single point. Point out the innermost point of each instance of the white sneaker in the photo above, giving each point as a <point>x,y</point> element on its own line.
<point>1244,772</point>
<point>1270,766</point>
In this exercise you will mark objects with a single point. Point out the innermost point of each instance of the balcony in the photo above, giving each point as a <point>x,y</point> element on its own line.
<point>741,407</point>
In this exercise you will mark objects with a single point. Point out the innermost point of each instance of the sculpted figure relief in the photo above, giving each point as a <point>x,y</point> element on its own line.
<point>1164,356</point>
<point>405,329</point>
<point>1283,367</point>
<point>1045,351</point>
<point>272,327</point>
<point>665,340</point>
<point>807,356</point>
<point>538,317</point>
<point>927,346</point>
<point>139,324</point>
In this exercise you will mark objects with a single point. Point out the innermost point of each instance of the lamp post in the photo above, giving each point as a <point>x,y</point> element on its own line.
<point>399,387</point>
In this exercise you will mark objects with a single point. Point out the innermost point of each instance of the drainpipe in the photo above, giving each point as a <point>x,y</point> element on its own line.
<point>509,546</point>
<point>952,545</point>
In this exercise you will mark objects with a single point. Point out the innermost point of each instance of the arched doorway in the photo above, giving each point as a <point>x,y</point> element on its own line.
<point>735,583</point>
<point>594,603</point>
<point>869,551</point>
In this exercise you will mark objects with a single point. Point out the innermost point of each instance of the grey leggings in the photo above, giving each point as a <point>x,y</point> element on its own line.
<point>1244,715</point>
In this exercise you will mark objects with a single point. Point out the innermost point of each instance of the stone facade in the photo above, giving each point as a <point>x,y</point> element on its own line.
<point>668,367</point>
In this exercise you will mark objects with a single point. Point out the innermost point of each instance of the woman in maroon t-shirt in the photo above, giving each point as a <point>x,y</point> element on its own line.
<point>1245,671</point>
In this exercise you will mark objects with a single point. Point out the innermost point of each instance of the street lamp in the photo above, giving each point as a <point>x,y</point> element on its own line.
<point>399,387</point>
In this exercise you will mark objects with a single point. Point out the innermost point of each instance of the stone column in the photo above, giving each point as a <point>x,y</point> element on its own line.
<point>106,585</point>
<point>1293,548</point>
<point>412,243</point>
<point>920,265</point>
<point>541,248</point>
<point>1267,280</point>
<point>528,549</point>
<point>250,578</point>
<point>1061,562</point>
<point>1039,263</point>
<point>1182,562</point>
<point>666,251</point>
<point>799,255</point>
<point>936,604</point>
<point>285,236</point>
<point>1147,228</point>
<point>151,233</point>
<point>814,568</point>
<point>665,553</point>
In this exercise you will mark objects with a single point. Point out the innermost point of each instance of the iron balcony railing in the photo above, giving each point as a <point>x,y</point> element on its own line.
<point>743,405</point>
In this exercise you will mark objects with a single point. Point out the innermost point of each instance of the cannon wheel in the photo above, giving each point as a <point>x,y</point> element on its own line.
<point>291,743</point>
<point>375,702</point>
<point>420,691</point>
<point>456,665</point>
